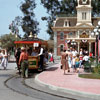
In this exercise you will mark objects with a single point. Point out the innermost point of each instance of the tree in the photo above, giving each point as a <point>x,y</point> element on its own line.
<point>96,8</point>
<point>15,24</point>
<point>7,41</point>
<point>68,7</point>
<point>29,24</point>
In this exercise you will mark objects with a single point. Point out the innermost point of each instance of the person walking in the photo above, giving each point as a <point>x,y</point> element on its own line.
<point>41,62</point>
<point>23,61</point>
<point>51,57</point>
<point>69,59</point>
<point>81,51</point>
<point>64,61</point>
<point>4,61</point>
<point>1,55</point>
<point>73,63</point>
<point>81,60</point>
<point>77,63</point>
<point>17,56</point>
<point>90,55</point>
<point>86,59</point>
<point>74,52</point>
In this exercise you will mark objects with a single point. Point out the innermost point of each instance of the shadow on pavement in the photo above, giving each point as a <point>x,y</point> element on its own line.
<point>69,74</point>
<point>52,69</point>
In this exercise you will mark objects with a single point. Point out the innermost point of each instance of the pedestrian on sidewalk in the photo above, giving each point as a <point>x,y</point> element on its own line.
<point>51,57</point>
<point>81,61</point>
<point>1,55</point>
<point>77,63</point>
<point>73,63</point>
<point>4,61</point>
<point>74,52</point>
<point>69,59</point>
<point>23,61</point>
<point>86,59</point>
<point>41,55</point>
<point>90,54</point>
<point>64,61</point>
<point>81,51</point>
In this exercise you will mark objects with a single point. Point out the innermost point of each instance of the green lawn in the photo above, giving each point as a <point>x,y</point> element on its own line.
<point>90,76</point>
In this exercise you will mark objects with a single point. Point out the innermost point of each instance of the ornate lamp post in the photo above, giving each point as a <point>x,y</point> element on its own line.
<point>73,43</point>
<point>96,32</point>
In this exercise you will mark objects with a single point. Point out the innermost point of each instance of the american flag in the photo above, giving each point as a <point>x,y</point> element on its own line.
<point>66,46</point>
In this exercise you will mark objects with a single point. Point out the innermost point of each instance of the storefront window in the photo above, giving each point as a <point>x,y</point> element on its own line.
<point>71,35</point>
<point>61,48</point>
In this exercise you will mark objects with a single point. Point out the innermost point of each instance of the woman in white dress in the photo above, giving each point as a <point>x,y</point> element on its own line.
<point>4,60</point>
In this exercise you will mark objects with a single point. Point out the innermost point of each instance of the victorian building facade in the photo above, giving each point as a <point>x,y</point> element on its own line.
<point>77,29</point>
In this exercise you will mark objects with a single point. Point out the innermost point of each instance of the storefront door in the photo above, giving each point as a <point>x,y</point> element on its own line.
<point>84,46</point>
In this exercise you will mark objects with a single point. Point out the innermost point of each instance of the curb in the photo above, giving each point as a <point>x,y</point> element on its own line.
<point>70,91</point>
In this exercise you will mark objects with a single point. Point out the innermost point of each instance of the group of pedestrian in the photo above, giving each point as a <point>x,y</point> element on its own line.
<point>3,59</point>
<point>22,59</point>
<point>22,54</point>
<point>72,59</point>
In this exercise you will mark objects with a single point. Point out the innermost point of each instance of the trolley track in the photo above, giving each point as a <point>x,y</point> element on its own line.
<point>26,90</point>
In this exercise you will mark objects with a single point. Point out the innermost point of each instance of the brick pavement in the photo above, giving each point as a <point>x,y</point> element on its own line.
<point>55,77</point>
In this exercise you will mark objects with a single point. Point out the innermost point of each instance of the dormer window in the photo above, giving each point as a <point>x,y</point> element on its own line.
<point>66,23</point>
<point>83,2</point>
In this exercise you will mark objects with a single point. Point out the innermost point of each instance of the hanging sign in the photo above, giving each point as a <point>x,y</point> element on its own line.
<point>36,44</point>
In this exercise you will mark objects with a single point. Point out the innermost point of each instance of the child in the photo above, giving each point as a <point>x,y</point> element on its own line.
<point>51,57</point>
<point>81,60</point>
<point>77,63</point>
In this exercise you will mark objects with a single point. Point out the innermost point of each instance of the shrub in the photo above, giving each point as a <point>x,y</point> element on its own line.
<point>92,59</point>
<point>96,69</point>
<point>87,67</point>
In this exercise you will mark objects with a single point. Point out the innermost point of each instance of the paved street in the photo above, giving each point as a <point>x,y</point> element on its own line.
<point>6,93</point>
<point>12,87</point>
<point>17,88</point>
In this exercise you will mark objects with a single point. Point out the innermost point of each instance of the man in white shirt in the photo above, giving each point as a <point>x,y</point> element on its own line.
<point>74,52</point>
<point>86,58</point>
<point>41,57</point>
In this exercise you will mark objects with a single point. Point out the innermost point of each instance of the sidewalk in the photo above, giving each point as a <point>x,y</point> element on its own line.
<point>69,83</point>
<point>12,58</point>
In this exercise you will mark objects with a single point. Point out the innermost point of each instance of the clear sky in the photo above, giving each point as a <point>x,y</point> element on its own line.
<point>9,9</point>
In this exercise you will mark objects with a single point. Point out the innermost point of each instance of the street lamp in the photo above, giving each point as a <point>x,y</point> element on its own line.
<point>96,32</point>
<point>73,43</point>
